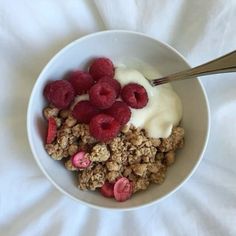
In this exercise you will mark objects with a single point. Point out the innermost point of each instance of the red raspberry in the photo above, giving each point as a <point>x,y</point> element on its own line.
<point>113,82</point>
<point>107,190</point>
<point>120,111</point>
<point>102,95</point>
<point>52,130</point>
<point>80,81</point>
<point>60,93</point>
<point>84,111</point>
<point>101,67</point>
<point>104,127</point>
<point>134,95</point>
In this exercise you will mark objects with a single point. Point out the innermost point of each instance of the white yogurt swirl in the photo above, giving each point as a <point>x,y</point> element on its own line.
<point>163,110</point>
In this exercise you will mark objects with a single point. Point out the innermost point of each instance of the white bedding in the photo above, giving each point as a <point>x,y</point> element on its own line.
<point>31,32</point>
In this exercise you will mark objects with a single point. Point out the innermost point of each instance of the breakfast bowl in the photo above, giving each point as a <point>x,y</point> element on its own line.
<point>141,52</point>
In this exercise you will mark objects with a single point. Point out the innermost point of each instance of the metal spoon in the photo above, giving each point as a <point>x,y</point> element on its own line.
<point>224,64</point>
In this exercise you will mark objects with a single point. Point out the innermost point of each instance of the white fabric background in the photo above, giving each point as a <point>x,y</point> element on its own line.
<point>31,32</point>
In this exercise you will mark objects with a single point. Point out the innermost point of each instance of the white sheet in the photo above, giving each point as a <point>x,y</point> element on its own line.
<point>31,32</point>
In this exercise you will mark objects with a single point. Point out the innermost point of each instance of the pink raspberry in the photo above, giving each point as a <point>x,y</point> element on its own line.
<point>104,127</point>
<point>80,81</point>
<point>60,93</point>
<point>123,189</point>
<point>102,95</point>
<point>101,67</point>
<point>134,95</point>
<point>52,130</point>
<point>113,82</point>
<point>84,111</point>
<point>120,111</point>
<point>107,190</point>
<point>80,160</point>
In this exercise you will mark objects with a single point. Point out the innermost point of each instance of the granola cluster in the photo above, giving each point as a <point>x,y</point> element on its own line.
<point>132,154</point>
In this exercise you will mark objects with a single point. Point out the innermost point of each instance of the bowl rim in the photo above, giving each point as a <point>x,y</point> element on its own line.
<point>29,134</point>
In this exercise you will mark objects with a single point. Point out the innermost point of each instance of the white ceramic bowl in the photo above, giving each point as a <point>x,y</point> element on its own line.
<point>122,46</point>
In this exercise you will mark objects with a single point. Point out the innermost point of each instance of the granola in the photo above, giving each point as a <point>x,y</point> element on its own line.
<point>132,154</point>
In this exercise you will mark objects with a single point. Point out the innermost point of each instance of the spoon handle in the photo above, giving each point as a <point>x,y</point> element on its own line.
<point>224,64</point>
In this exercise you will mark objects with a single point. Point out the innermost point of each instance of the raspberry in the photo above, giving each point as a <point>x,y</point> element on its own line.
<point>107,190</point>
<point>120,111</point>
<point>52,130</point>
<point>80,81</point>
<point>102,95</point>
<point>60,93</point>
<point>113,82</point>
<point>134,95</point>
<point>104,127</point>
<point>101,67</point>
<point>123,189</point>
<point>80,160</point>
<point>84,111</point>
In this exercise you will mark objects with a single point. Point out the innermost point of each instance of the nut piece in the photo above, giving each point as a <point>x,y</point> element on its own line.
<point>154,167</point>
<point>99,153</point>
<point>170,158</point>
<point>156,142</point>
<point>70,121</point>
<point>112,166</point>
<point>134,159</point>
<point>136,140</point>
<point>148,151</point>
<point>50,111</point>
<point>125,129</point>
<point>112,176</point>
<point>140,184</point>
<point>58,122</point>
<point>139,169</point>
<point>148,159</point>
<point>63,141</point>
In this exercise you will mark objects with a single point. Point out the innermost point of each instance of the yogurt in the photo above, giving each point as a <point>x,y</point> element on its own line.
<point>163,110</point>
<point>78,98</point>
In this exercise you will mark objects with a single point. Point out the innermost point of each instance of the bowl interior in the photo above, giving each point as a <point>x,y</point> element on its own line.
<point>122,46</point>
